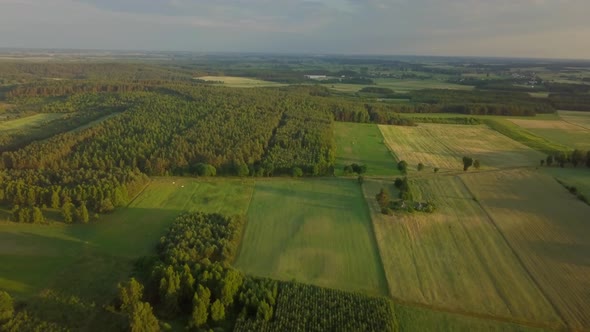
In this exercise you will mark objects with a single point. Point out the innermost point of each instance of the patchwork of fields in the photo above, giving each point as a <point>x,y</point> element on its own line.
<point>558,131</point>
<point>548,229</point>
<point>315,231</point>
<point>505,246</point>
<point>443,146</point>
<point>454,258</point>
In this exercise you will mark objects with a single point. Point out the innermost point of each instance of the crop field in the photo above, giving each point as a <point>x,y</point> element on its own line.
<point>398,85</point>
<point>239,82</point>
<point>313,231</point>
<point>548,229</point>
<point>558,131</point>
<point>418,319</point>
<point>363,144</point>
<point>34,257</point>
<point>444,146</point>
<point>454,259</point>
<point>29,122</point>
<point>578,118</point>
<point>577,177</point>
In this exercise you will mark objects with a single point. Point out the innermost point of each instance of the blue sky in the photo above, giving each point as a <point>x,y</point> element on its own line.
<point>519,28</point>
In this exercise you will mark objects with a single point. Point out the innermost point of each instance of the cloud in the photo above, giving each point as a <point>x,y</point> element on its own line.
<point>450,27</point>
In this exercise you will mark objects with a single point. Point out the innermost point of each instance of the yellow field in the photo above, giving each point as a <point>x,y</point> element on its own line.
<point>549,231</point>
<point>29,122</point>
<point>444,145</point>
<point>239,82</point>
<point>454,259</point>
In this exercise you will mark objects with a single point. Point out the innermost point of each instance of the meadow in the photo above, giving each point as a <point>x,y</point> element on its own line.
<point>548,230</point>
<point>558,131</point>
<point>581,119</point>
<point>363,144</point>
<point>239,82</point>
<point>399,85</point>
<point>313,231</point>
<point>577,177</point>
<point>34,257</point>
<point>454,259</point>
<point>444,146</point>
<point>28,122</point>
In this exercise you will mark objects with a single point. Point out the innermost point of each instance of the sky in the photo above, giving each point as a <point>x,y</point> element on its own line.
<point>508,28</point>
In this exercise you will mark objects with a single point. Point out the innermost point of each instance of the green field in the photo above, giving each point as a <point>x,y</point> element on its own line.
<point>239,82</point>
<point>443,146</point>
<point>28,122</point>
<point>548,229</point>
<point>454,259</point>
<point>418,319</point>
<point>581,119</point>
<point>399,85</point>
<point>578,177</point>
<point>34,257</point>
<point>314,231</point>
<point>363,144</point>
<point>558,131</point>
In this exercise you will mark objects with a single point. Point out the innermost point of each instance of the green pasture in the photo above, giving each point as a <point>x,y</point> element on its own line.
<point>363,143</point>
<point>314,231</point>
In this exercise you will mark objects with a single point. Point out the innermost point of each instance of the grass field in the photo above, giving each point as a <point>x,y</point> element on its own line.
<point>558,131</point>
<point>548,229</point>
<point>28,122</point>
<point>400,86</point>
<point>34,257</point>
<point>314,231</point>
<point>444,146</point>
<point>454,259</point>
<point>363,144</point>
<point>239,82</point>
<point>578,177</point>
<point>578,118</point>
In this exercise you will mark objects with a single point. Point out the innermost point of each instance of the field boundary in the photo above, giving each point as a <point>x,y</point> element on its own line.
<point>515,253</point>
<point>376,242</point>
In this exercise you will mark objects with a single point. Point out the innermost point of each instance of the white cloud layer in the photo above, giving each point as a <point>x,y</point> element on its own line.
<point>523,28</point>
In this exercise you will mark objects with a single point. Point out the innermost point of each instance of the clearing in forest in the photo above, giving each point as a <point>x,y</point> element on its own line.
<point>444,145</point>
<point>363,143</point>
<point>88,260</point>
<point>454,259</point>
<point>559,131</point>
<point>28,122</point>
<point>548,229</point>
<point>239,82</point>
<point>314,231</point>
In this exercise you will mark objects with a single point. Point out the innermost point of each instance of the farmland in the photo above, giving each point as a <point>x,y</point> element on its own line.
<point>443,146</point>
<point>363,144</point>
<point>558,131</point>
<point>548,230</point>
<point>324,223</point>
<point>454,259</point>
<point>399,85</point>
<point>581,119</point>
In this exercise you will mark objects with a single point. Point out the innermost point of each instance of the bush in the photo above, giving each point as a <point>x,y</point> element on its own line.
<point>6,307</point>
<point>297,172</point>
<point>420,166</point>
<point>402,166</point>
